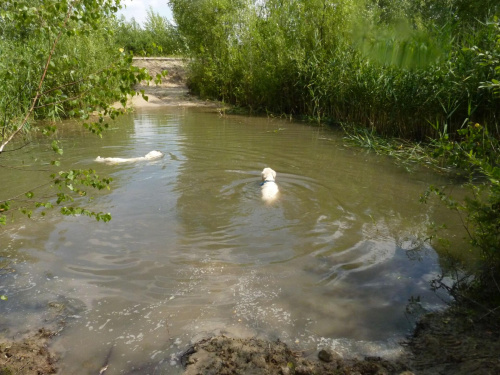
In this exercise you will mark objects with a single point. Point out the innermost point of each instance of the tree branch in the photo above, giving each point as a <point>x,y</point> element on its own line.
<point>19,195</point>
<point>15,149</point>
<point>42,79</point>
<point>74,82</point>
<point>23,169</point>
<point>65,100</point>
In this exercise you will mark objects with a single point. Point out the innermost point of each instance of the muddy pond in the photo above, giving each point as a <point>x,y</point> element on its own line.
<point>192,250</point>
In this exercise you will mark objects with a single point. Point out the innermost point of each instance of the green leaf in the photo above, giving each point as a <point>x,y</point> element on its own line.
<point>56,148</point>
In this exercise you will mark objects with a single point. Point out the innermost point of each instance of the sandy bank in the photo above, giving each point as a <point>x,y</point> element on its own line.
<point>172,91</point>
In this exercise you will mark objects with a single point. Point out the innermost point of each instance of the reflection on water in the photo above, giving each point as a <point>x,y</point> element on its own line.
<point>192,250</point>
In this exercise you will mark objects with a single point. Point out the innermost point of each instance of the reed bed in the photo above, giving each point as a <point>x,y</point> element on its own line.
<point>381,68</point>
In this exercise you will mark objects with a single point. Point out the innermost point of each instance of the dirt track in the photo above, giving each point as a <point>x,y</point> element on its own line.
<point>173,90</point>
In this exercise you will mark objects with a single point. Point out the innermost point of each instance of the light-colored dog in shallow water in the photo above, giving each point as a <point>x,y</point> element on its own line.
<point>153,155</point>
<point>269,189</point>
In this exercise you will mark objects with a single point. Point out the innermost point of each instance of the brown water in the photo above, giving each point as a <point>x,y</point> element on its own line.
<point>192,250</point>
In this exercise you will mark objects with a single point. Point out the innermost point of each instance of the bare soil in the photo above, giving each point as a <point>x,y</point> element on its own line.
<point>451,342</point>
<point>224,356</point>
<point>173,90</point>
<point>29,356</point>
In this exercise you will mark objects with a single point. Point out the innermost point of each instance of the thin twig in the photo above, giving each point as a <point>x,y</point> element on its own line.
<point>65,100</point>
<point>19,195</point>
<point>494,279</point>
<point>15,149</point>
<point>23,169</point>
<point>74,82</point>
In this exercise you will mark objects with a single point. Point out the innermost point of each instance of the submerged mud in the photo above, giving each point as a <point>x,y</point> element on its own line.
<point>28,356</point>
<point>225,355</point>
<point>447,342</point>
<point>455,342</point>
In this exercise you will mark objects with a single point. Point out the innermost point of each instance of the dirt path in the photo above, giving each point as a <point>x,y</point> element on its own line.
<point>173,90</point>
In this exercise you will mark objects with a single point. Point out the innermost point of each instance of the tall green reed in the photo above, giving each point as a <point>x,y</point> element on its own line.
<point>312,59</point>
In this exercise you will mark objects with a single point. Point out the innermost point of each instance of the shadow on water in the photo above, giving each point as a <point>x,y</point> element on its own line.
<point>192,249</point>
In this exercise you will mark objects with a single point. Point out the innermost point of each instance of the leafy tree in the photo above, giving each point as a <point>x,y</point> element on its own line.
<point>162,34</point>
<point>158,37</point>
<point>390,65</point>
<point>131,36</point>
<point>57,60</point>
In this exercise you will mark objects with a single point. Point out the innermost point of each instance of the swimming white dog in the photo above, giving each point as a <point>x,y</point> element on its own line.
<point>153,155</point>
<point>269,189</point>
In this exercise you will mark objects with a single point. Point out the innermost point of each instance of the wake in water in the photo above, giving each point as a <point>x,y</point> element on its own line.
<point>153,155</point>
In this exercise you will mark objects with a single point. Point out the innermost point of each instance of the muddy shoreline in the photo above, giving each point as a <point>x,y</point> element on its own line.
<point>451,342</point>
<point>448,342</point>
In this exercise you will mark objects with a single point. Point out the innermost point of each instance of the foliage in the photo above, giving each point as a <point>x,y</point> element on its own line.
<point>394,66</point>
<point>491,60</point>
<point>407,153</point>
<point>158,37</point>
<point>477,153</point>
<point>57,60</point>
<point>472,157</point>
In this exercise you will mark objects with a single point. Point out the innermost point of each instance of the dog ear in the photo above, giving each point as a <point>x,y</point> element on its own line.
<point>274,174</point>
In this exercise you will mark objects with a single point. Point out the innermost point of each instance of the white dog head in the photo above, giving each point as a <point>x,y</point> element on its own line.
<point>268,174</point>
<point>154,155</point>
<point>268,187</point>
